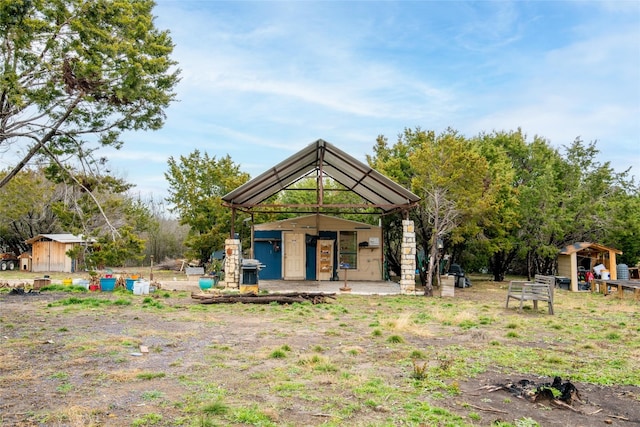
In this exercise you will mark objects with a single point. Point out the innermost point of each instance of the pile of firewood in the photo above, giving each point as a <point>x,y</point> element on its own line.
<point>252,298</point>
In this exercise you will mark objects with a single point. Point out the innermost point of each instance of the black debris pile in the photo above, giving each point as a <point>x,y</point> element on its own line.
<point>556,391</point>
<point>21,291</point>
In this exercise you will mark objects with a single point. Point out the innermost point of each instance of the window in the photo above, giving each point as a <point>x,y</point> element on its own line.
<point>348,245</point>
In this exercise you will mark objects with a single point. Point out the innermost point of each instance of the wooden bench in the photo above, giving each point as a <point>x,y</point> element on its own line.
<point>548,280</point>
<point>539,290</point>
<point>620,285</point>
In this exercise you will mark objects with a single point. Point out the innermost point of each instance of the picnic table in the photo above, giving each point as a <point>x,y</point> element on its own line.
<point>603,286</point>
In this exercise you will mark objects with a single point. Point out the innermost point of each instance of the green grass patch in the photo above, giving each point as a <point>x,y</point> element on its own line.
<point>215,408</point>
<point>64,288</point>
<point>152,395</point>
<point>395,339</point>
<point>278,354</point>
<point>150,419</point>
<point>150,375</point>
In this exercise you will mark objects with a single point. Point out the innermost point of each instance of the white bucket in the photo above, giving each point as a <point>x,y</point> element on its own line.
<point>138,287</point>
<point>145,288</point>
<point>81,282</point>
<point>605,274</point>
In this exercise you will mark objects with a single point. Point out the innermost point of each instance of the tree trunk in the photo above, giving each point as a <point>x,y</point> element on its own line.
<point>499,263</point>
<point>433,253</point>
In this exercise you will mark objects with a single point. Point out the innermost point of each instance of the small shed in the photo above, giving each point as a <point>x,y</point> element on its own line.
<point>25,261</point>
<point>49,252</point>
<point>584,256</point>
<point>319,247</point>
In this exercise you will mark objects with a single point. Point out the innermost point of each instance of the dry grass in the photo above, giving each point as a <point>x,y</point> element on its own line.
<point>338,359</point>
<point>73,416</point>
<point>17,373</point>
<point>405,323</point>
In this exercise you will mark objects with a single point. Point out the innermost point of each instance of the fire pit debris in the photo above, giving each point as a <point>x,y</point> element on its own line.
<point>556,391</point>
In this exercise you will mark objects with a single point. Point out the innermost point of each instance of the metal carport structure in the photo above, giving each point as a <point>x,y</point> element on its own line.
<point>320,159</point>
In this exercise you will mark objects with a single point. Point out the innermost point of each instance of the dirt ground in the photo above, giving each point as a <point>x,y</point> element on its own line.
<point>83,366</point>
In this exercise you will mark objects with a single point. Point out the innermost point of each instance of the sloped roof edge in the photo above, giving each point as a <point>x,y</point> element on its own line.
<point>61,238</point>
<point>322,156</point>
<point>580,246</point>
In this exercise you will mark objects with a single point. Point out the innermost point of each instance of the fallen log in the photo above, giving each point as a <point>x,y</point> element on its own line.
<point>285,298</point>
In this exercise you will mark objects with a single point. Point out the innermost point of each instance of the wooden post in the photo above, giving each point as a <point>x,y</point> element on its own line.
<point>345,288</point>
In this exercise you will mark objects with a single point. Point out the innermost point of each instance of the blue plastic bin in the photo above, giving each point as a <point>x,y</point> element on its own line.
<point>107,284</point>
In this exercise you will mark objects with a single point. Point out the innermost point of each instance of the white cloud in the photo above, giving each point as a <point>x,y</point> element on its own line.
<point>262,80</point>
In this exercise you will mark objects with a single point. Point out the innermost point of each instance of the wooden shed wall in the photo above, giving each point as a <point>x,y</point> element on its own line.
<point>51,256</point>
<point>567,268</point>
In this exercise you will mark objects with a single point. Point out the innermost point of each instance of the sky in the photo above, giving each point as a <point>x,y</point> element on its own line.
<point>262,80</point>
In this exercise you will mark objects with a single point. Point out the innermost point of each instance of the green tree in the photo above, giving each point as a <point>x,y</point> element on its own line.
<point>561,199</point>
<point>393,161</point>
<point>305,191</point>
<point>450,175</point>
<point>624,226</point>
<point>497,243</point>
<point>99,208</point>
<point>538,168</point>
<point>113,252</point>
<point>453,179</point>
<point>25,211</point>
<point>197,183</point>
<point>595,201</point>
<point>75,74</point>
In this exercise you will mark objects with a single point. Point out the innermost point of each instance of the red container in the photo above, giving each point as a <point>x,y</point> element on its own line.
<point>108,276</point>
<point>94,287</point>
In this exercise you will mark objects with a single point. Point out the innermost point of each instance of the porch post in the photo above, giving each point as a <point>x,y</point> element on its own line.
<point>232,250</point>
<point>408,260</point>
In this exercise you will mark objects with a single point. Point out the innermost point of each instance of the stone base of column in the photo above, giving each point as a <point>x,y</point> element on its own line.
<point>232,250</point>
<point>408,258</point>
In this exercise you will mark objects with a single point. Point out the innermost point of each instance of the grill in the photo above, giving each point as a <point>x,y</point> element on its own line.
<point>250,269</point>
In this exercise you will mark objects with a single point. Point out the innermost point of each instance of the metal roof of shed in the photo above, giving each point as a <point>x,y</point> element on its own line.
<point>61,238</point>
<point>323,159</point>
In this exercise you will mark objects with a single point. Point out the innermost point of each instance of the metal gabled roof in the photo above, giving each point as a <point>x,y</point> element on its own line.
<point>323,158</point>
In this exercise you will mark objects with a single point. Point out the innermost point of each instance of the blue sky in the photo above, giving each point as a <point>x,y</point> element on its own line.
<point>261,80</point>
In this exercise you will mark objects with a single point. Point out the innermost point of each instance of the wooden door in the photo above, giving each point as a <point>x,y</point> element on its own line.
<point>294,256</point>
<point>324,260</point>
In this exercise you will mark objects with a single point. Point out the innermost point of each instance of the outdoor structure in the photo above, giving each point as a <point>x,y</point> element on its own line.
<point>584,256</point>
<point>319,247</point>
<point>321,161</point>
<point>25,261</point>
<point>49,252</point>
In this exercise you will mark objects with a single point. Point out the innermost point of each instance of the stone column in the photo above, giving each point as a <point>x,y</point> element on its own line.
<point>408,260</point>
<point>232,250</point>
